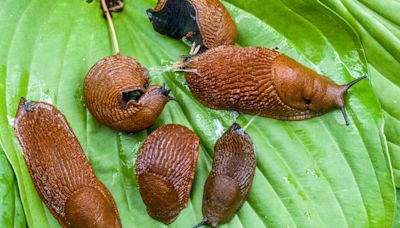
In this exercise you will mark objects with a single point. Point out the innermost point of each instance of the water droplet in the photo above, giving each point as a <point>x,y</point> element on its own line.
<point>308,214</point>
<point>219,129</point>
<point>287,179</point>
<point>10,120</point>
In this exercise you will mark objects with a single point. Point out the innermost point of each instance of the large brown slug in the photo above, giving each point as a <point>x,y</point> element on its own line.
<point>165,171</point>
<point>260,81</point>
<point>205,22</point>
<point>231,177</point>
<point>59,169</point>
<point>117,94</point>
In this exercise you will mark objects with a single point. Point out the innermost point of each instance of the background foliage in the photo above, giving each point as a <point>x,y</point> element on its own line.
<point>311,173</point>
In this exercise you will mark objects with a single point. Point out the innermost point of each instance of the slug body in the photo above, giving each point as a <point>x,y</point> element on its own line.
<point>261,81</point>
<point>205,22</point>
<point>231,176</point>
<point>117,94</point>
<point>59,169</point>
<point>165,171</point>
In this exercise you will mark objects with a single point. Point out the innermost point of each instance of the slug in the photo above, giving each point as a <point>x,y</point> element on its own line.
<point>117,94</point>
<point>165,170</point>
<point>207,23</point>
<point>230,179</point>
<point>59,169</point>
<point>260,81</point>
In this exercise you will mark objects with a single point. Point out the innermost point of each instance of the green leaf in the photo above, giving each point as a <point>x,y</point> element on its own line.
<point>11,211</point>
<point>397,219</point>
<point>377,24</point>
<point>310,173</point>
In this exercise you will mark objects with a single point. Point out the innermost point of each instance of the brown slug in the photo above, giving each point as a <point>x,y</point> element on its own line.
<point>230,179</point>
<point>205,22</point>
<point>59,169</point>
<point>165,170</point>
<point>117,94</point>
<point>260,81</point>
<point>116,89</point>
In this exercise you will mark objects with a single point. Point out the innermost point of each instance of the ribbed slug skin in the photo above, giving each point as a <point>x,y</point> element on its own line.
<point>206,22</point>
<point>230,179</point>
<point>59,169</point>
<point>165,170</point>
<point>215,23</point>
<point>106,89</point>
<point>260,81</point>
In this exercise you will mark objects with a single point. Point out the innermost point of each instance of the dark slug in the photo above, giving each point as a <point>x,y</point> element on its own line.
<point>59,169</point>
<point>231,177</point>
<point>260,81</point>
<point>165,170</point>
<point>117,94</point>
<point>205,22</point>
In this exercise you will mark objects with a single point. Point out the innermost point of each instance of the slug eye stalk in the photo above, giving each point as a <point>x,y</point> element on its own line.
<point>202,223</point>
<point>348,86</point>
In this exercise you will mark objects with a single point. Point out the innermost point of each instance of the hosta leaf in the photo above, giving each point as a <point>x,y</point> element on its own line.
<point>377,24</point>
<point>11,211</point>
<point>311,173</point>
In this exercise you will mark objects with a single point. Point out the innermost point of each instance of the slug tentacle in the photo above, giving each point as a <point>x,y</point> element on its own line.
<point>202,223</point>
<point>260,81</point>
<point>59,169</point>
<point>165,170</point>
<point>231,177</point>
<point>346,119</point>
<point>350,84</point>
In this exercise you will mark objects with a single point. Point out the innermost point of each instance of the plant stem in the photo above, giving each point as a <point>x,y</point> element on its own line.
<point>111,25</point>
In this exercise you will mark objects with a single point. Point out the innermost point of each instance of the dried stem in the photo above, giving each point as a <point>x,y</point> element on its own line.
<point>111,25</point>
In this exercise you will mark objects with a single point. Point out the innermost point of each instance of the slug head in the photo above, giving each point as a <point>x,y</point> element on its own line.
<point>151,103</point>
<point>175,18</point>
<point>160,198</point>
<point>307,91</point>
<point>207,23</point>
<point>90,208</point>
<point>221,199</point>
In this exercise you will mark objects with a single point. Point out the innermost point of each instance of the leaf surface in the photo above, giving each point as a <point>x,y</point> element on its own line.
<point>311,173</point>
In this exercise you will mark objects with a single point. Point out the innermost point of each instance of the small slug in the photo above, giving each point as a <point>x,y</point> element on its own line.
<point>117,94</point>
<point>260,81</point>
<point>204,22</point>
<point>165,170</point>
<point>59,169</point>
<point>230,179</point>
